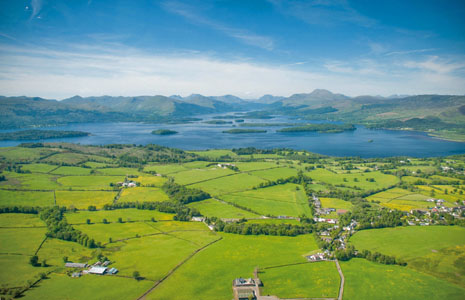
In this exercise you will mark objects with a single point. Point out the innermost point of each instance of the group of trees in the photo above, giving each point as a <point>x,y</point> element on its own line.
<point>300,178</point>
<point>368,217</point>
<point>263,229</point>
<point>181,194</point>
<point>381,258</point>
<point>19,209</point>
<point>59,228</point>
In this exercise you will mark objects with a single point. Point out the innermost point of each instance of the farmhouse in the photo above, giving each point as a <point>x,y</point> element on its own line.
<point>316,257</point>
<point>244,288</point>
<point>97,270</point>
<point>75,265</point>
<point>198,219</point>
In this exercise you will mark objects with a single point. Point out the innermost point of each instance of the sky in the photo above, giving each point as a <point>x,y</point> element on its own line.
<point>248,48</point>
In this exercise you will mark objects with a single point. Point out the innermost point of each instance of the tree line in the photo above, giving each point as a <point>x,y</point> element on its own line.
<point>181,194</point>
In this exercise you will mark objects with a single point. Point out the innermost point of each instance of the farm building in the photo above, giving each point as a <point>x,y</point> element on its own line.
<point>98,270</point>
<point>113,271</point>
<point>75,265</point>
<point>244,294</point>
<point>243,282</point>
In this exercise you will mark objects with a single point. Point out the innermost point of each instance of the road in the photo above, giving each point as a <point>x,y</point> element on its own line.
<point>341,289</point>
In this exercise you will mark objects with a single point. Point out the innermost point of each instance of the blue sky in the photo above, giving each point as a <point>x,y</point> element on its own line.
<point>57,49</point>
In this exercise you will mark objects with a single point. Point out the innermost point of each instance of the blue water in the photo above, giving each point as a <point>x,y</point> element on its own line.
<point>199,136</point>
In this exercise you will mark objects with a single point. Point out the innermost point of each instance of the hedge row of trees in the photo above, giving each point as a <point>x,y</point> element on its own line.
<point>181,194</point>
<point>381,258</point>
<point>19,209</point>
<point>59,228</point>
<point>263,229</point>
<point>300,178</point>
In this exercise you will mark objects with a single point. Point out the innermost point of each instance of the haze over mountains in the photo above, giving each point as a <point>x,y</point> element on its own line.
<point>432,111</point>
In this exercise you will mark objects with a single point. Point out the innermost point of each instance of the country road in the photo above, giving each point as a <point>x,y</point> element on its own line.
<point>341,289</point>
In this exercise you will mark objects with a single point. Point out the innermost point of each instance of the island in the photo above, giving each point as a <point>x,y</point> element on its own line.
<point>36,134</point>
<point>164,132</point>
<point>237,131</point>
<point>218,122</point>
<point>323,128</point>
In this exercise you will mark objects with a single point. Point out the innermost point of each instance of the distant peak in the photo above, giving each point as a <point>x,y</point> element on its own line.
<point>321,92</point>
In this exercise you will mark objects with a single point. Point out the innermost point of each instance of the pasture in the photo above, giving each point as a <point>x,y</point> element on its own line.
<point>365,280</point>
<point>275,174</point>
<point>26,198</point>
<point>366,181</point>
<point>60,286</point>
<point>83,199</point>
<point>216,208</point>
<point>401,199</point>
<point>431,249</point>
<point>279,200</point>
<point>142,194</point>
<point>310,280</point>
<point>71,171</point>
<point>229,184</point>
<point>89,182</point>
<point>22,241</point>
<point>20,220</point>
<point>30,181</point>
<point>232,257</point>
<point>128,215</point>
<point>197,175</point>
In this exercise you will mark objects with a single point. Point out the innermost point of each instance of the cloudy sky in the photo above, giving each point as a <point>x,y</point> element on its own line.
<point>57,49</point>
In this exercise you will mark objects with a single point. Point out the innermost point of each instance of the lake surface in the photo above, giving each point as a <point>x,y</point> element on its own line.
<point>200,136</point>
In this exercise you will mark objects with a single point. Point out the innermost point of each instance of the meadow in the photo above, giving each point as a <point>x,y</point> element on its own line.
<point>143,194</point>
<point>217,208</point>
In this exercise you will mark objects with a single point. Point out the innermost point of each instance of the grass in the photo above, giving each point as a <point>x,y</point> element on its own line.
<point>151,180</point>
<point>251,166</point>
<point>276,200</point>
<point>274,221</point>
<point>53,250</point>
<point>215,208</point>
<point>232,257</point>
<point>274,174</point>
<point>229,184</point>
<point>16,270</point>
<point>439,192</point>
<point>154,256</point>
<point>434,249</point>
<point>61,286</point>
<point>71,171</point>
<point>336,203</point>
<point>380,180</point>
<point>130,214</point>
<point>31,181</point>
<point>69,158</point>
<point>142,194</point>
<point>23,241</point>
<point>118,171</point>
<point>293,281</point>
<point>25,198</point>
<point>116,231</point>
<point>83,199</point>
<point>23,154</point>
<point>20,220</point>
<point>89,182</point>
<point>38,168</point>
<point>197,175</point>
<point>369,280</point>
<point>214,154</point>
<point>164,169</point>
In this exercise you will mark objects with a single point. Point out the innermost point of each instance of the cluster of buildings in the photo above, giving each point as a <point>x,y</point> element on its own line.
<point>127,184</point>
<point>97,268</point>
<point>225,165</point>
<point>320,256</point>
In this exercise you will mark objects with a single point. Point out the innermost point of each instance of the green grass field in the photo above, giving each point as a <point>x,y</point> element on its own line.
<point>71,171</point>
<point>70,158</point>
<point>116,231</point>
<point>30,181</point>
<point>16,270</point>
<point>23,154</point>
<point>311,280</point>
<point>118,171</point>
<point>232,257</point>
<point>25,198</point>
<point>365,280</point>
<point>142,194</point>
<point>276,200</point>
<point>61,286</point>
<point>437,250</point>
<point>53,250</point>
<point>229,184</point>
<point>23,241</point>
<point>151,180</point>
<point>83,199</point>
<point>275,174</point>
<point>354,179</point>
<point>198,175</point>
<point>130,214</point>
<point>215,208</point>
<point>38,168</point>
<point>20,220</point>
<point>89,182</point>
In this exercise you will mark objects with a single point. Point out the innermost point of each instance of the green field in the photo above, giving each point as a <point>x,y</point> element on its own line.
<point>275,174</point>
<point>71,171</point>
<point>89,182</point>
<point>30,181</point>
<point>401,199</point>
<point>366,280</point>
<point>277,200</point>
<point>437,250</point>
<point>360,180</point>
<point>20,220</point>
<point>216,208</point>
<point>198,175</point>
<point>60,286</point>
<point>229,184</point>
<point>39,168</point>
<point>142,194</point>
<point>311,280</point>
<point>83,199</point>
<point>26,198</point>
<point>130,214</point>
<point>232,257</point>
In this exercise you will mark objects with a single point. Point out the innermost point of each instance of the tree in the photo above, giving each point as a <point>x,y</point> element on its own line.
<point>65,259</point>
<point>88,221</point>
<point>120,220</point>
<point>34,260</point>
<point>92,208</point>
<point>110,240</point>
<point>105,221</point>
<point>136,275</point>
<point>44,263</point>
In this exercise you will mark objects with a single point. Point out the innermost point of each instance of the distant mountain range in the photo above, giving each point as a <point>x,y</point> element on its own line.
<point>441,111</point>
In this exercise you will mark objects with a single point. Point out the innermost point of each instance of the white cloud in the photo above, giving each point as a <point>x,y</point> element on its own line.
<point>244,36</point>
<point>90,71</point>
<point>435,64</point>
